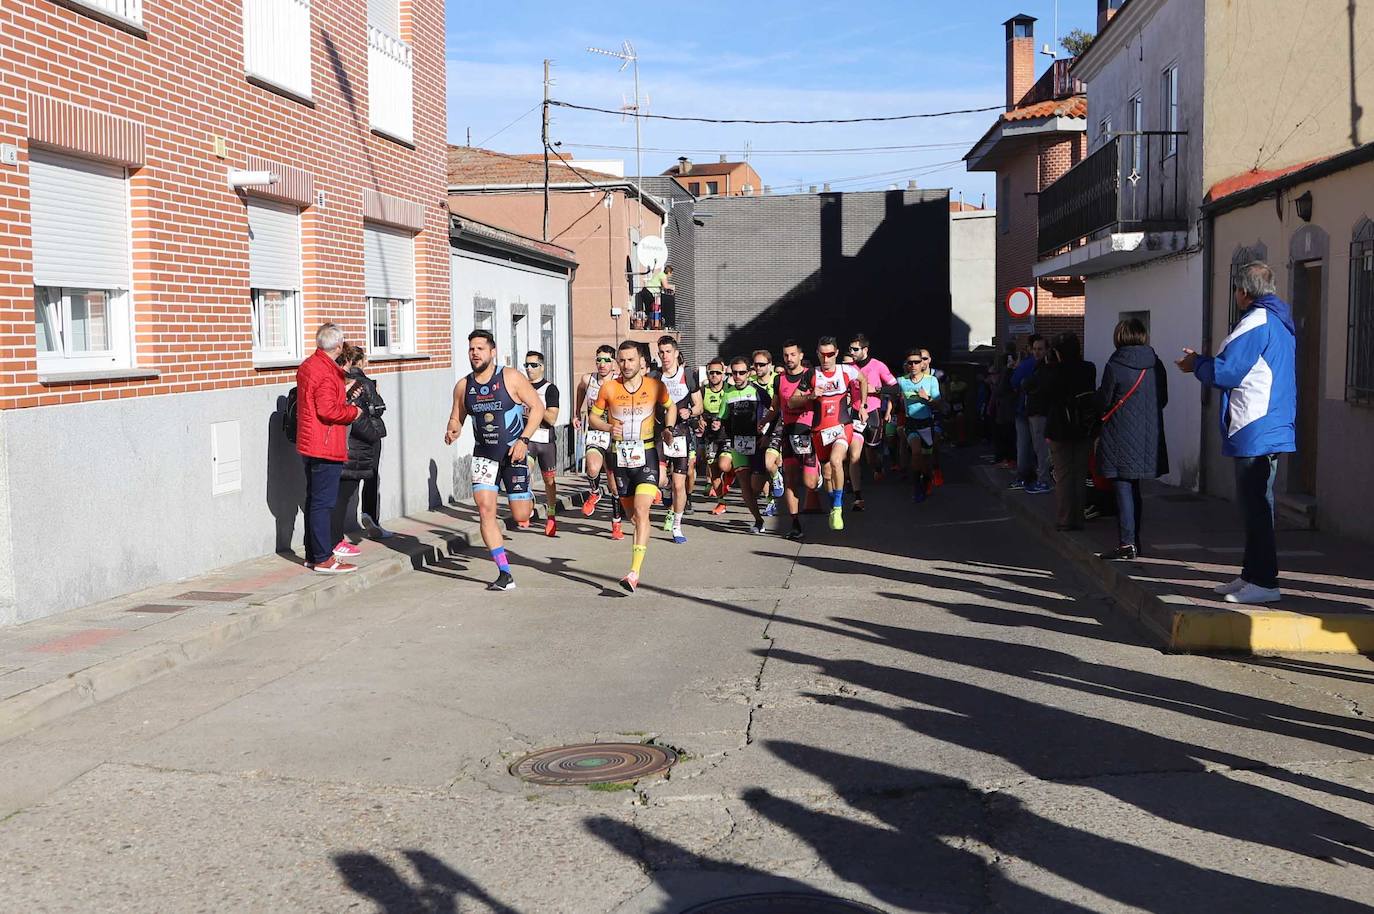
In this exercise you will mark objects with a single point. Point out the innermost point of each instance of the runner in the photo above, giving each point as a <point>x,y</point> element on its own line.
<point>708,427</point>
<point>831,390</point>
<point>505,412</point>
<point>743,410</point>
<point>542,446</point>
<point>681,453</point>
<point>793,433</point>
<point>767,464</point>
<point>598,443</point>
<point>631,408</point>
<point>919,391</point>
<point>877,376</point>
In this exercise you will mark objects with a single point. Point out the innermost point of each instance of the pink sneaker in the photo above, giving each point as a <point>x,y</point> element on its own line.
<point>346,550</point>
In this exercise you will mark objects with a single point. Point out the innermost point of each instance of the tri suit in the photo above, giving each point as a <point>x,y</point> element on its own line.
<point>634,454</point>
<point>681,386</point>
<point>497,421</point>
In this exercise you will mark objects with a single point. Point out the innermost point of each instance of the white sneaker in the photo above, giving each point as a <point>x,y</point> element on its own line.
<point>1253,593</point>
<point>1229,586</point>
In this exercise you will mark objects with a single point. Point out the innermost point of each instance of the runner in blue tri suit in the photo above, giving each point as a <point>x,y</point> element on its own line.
<point>506,410</point>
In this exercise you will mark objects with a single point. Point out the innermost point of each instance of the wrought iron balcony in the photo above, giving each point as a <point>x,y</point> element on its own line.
<point>1134,183</point>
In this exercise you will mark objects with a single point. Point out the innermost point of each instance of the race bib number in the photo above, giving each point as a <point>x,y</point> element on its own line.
<point>541,436</point>
<point>801,444</point>
<point>745,444</point>
<point>484,471</point>
<point>830,435</point>
<point>598,439</point>
<point>630,454</point>
<point>859,426</point>
<point>677,447</point>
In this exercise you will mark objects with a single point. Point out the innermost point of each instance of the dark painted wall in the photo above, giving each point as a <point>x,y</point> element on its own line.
<point>806,265</point>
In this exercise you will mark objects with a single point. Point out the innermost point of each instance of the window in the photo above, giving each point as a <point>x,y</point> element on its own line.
<point>80,234</point>
<point>695,188</point>
<point>1104,131</point>
<point>1135,116</point>
<point>484,313</point>
<point>1022,28</point>
<point>128,11</point>
<point>1360,342</point>
<point>274,276</point>
<point>389,277</point>
<point>276,44</point>
<point>712,187</point>
<point>1170,98</point>
<point>390,79</point>
<point>1004,205</point>
<point>547,341</point>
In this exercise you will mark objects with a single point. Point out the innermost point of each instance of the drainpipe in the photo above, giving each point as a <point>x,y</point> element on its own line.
<point>1208,264</point>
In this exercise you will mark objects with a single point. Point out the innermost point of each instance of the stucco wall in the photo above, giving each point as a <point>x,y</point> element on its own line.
<point>1345,436</point>
<point>973,278</point>
<point>110,497</point>
<point>1279,77</point>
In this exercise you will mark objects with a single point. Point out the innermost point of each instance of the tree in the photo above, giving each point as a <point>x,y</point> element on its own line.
<point>1077,42</point>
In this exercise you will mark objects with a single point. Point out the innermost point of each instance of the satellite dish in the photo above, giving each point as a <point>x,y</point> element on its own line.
<point>652,252</point>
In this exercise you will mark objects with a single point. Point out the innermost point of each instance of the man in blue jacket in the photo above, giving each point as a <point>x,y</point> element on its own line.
<point>1259,404</point>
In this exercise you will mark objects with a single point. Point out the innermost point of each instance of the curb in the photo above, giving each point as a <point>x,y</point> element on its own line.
<point>100,681</point>
<point>1178,625</point>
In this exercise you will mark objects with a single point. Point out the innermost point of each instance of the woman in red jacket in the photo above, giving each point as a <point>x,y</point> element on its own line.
<point>323,415</point>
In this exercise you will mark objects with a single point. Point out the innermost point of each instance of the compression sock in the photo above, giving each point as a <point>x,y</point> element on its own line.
<point>498,555</point>
<point>617,510</point>
<point>837,498</point>
<point>637,557</point>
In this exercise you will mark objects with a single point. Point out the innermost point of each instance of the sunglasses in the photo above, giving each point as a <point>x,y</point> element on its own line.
<point>715,374</point>
<point>856,349</point>
<point>604,360</point>
<point>762,364</point>
<point>534,364</point>
<point>739,371</point>
<point>914,361</point>
<point>828,355</point>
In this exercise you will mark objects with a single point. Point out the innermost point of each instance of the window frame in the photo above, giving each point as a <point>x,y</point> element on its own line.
<point>291,331</point>
<point>1360,323</point>
<point>400,324</point>
<point>116,353</point>
<point>712,188</point>
<point>1169,108</point>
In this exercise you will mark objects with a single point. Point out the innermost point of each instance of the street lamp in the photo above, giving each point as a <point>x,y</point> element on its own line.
<point>627,56</point>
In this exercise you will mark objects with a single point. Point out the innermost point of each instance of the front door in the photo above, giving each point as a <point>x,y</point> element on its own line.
<point>1307,314</point>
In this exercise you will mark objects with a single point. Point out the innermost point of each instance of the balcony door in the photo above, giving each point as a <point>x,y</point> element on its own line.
<point>1133,166</point>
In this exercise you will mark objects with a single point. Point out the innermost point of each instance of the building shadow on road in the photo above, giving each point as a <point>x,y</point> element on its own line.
<point>434,888</point>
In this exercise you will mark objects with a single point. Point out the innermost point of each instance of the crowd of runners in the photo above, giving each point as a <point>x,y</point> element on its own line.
<point>660,433</point>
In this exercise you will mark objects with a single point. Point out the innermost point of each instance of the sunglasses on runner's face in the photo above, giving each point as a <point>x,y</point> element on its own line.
<point>533,365</point>
<point>739,371</point>
<point>856,349</point>
<point>828,355</point>
<point>762,365</point>
<point>605,359</point>
<point>914,361</point>
<point>716,374</point>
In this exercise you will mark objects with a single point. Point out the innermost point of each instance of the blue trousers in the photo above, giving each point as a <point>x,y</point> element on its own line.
<point>321,491</point>
<point>1255,494</point>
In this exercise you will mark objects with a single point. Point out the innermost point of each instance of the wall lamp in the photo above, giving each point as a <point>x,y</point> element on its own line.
<point>1303,205</point>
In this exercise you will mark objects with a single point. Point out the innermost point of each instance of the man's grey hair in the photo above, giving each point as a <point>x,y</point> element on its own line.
<point>1256,279</point>
<point>329,337</point>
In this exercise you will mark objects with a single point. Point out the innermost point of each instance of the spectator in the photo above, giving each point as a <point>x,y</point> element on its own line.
<point>669,298</point>
<point>1037,418</point>
<point>323,415</point>
<point>1255,370</point>
<point>1004,414</point>
<point>1070,386</point>
<point>365,435</point>
<point>1130,447</point>
<point>1026,467</point>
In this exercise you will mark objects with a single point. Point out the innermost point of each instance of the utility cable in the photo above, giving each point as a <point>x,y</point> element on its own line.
<point>740,120</point>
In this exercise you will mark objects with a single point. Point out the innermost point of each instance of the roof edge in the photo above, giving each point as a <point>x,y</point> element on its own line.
<point>1300,174</point>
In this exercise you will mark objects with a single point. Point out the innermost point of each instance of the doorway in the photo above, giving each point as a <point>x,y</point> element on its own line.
<point>1307,318</point>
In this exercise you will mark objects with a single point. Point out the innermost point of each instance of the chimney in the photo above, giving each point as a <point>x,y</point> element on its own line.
<point>811,188</point>
<point>911,185</point>
<point>723,160</point>
<point>1106,9</point>
<point>1020,57</point>
<point>767,189</point>
<point>825,189</point>
<point>684,165</point>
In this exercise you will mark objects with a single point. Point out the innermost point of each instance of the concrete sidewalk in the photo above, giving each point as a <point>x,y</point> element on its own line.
<point>1193,542</point>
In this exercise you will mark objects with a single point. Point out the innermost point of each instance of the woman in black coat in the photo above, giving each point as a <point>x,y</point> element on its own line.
<point>364,446</point>
<point>1069,383</point>
<point>1130,447</point>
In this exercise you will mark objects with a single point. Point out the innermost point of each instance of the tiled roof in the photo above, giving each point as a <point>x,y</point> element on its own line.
<point>1073,106</point>
<point>468,225</point>
<point>472,166</point>
<point>1253,178</point>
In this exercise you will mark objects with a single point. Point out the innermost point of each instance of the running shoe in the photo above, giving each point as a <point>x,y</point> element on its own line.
<point>939,478</point>
<point>523,524</point>
<point>1039,488</point>
<point>617,530</point>
<point>678,537</point>
<point>836,518</point>
<point>719,508</point>
<point>795,534</point>
<point>551,527</point>
<point>668,523</point>
<point>1017,484</point>
<point>332,566</point>
<point>756,528</point>
<point>378,531</point>
<point>858,505</point>
<point>770,510</point>
<point>629,582</point>
<point>503,582</point>
<point>1091,512</point>
<point>589,506</point>
<point>346,550</point>
<point>777,487</point>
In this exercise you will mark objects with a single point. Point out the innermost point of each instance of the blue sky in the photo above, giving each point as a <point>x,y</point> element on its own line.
<point>793,60</point>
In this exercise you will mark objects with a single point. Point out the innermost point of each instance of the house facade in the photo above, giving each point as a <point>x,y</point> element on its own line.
<point>717,179</point>
<point>188,192</point>
<point>1041,135</point>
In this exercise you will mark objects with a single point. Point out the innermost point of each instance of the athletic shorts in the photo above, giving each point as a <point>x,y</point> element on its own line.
<point>823,450</point>
<point>681,465</point>
<point>873,434</point>
<point>711,448</point>
<point>631,481</point>
<point>599,442</point>
<point>546,453</point>
<point>489,474</point>
<point>923,433</point>
<point>740,460</point>
<point>799,447</point>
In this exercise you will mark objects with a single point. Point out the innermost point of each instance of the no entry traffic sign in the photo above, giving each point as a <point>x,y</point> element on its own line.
<point>1021,303</point>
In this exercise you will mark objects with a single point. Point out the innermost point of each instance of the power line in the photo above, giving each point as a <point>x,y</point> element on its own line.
<point>511,124</point>
<point>826,151</point>
<point>828,120</point>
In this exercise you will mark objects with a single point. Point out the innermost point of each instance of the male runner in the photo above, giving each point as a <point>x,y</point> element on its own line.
<point>505,412</point>
<point>919,391</point>
<point>743,409</point>
<point>598,443</point>
<point>768,462</point>
<point>832,388</point>
<point>542,446</point>
<point>709,427</point>
<point>681,454</point>
<point>792,432</point>
<point>877,376</point>
<point>632,408</point>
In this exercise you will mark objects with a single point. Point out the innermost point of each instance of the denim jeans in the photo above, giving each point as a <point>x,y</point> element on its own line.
<point>321,492</point>
<point>1255,493</point>
<point>1041,446</point>
<point>1025,451</point>
<point>1127,511</point>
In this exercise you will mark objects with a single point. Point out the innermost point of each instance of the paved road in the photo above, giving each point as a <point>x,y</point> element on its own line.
<point>924,714</point>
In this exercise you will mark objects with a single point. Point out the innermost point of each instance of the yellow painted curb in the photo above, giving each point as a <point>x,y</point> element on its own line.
<point>1271,632</point>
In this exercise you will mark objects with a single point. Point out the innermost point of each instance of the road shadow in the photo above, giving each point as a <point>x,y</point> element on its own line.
<point>433,888</point>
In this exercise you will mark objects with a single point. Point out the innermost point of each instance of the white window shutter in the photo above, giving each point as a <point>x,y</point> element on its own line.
<point>389,262</point>
<point>277,44</point>
<point>80,222</point>
<point>385,15</point>
<point>274,245</point>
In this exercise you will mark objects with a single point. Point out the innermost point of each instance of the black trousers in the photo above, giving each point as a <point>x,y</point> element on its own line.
<point>342,515</point>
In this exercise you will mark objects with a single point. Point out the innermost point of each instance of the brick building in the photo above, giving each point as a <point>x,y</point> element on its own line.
<point>1041,135</point>
<point>717,179</point>
<point>187,190</point>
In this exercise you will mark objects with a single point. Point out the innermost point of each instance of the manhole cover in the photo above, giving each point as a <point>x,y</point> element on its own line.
<point>593,763</point>
<point>785,903</point>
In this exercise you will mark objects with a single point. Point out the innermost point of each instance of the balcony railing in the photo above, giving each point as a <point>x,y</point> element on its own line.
<point>130,11</point>
<point>1056,82</point>
<point>1134,183</point>
<point>390,84</point>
